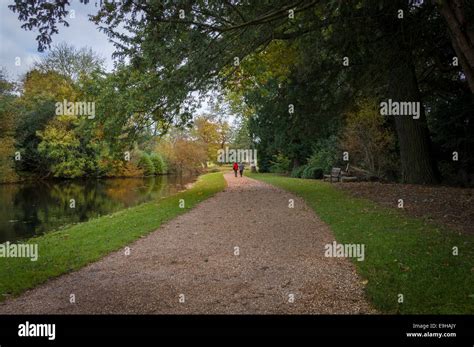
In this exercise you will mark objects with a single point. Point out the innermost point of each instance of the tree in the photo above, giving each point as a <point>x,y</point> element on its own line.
<point>146,164</point>
<point>224,133</point>
<point>416,154</point>
<point>182,154</point>
<point>167,52</point>
<point>158,163</point>
<point>207,133</point>
<point>61,148</point>
<point>7,130</point>
<point>70,62</point>
<point>368,141</point>
<point>36,107</point>
<point>459,16</point>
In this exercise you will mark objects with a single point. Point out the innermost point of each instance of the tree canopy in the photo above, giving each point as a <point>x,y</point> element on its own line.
<point>299,67</point>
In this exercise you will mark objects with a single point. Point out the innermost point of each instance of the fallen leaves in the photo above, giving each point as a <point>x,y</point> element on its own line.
<point>448,206</point>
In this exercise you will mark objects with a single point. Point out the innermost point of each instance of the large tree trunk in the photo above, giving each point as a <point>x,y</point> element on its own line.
<point>462,35</point>
<point>296,162</point>
<point>413,137</point>
<point>416,157</point>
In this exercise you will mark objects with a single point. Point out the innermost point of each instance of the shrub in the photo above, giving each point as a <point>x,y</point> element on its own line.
<point>298,171</point>
<point>325,155</point>
<point>146,164</point>
<point>158,163</point>
<point>280,164</point>
<point>183,155</point>
<point>312,172</point>
<point>369,140</point>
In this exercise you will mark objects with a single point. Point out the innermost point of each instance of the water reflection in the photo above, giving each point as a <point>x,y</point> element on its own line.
<point>30,209</point>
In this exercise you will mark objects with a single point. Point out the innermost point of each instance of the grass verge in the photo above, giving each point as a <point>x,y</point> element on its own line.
<point>74,247</point>
<point>403,255</point>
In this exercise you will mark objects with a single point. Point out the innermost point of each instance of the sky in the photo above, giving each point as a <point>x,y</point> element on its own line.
<point>16,42</point>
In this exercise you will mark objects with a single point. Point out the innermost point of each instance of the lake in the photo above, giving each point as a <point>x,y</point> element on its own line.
<point>31,209</point>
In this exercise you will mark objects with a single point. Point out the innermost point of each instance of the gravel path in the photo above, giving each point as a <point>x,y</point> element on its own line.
<point>193,257</point>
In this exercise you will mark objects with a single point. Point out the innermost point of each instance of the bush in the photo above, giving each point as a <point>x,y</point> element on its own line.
<point>146,164</point>
<point>158,163</point>
<point>298,171</point>
<point>370,141</point>
<point>325,155</point>
<point>312,172</point>
<point>183,155</point>
<point>280,164</point>
<point>322,160</point>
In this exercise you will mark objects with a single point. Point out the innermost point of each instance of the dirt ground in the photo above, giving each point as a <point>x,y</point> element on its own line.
<point>448,206</point>
<point>242,251</point>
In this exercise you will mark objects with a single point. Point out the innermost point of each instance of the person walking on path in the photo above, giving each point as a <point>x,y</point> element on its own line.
<point>235,167</point>
<point>241,168</point>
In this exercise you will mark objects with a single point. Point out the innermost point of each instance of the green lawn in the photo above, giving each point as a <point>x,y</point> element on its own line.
<point>78,245</point>
<point>403,255</point>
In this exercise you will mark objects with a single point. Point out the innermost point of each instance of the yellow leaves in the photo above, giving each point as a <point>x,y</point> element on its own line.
<point>366,138</point>
<point>60,131</point>
<point>182,154</point>
<point>211,134</point>
<point>49,85</point>
<point>274,62</point>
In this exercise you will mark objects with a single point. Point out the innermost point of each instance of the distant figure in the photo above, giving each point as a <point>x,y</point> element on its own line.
<point>241,168</point>
<point>235,167</point>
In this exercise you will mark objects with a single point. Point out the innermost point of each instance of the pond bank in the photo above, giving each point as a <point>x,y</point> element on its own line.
<point>34,208</point>
<point>76,246</point>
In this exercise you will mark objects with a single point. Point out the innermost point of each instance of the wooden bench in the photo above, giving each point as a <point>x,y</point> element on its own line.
<point>340,175</point>
<point>335,174</point>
